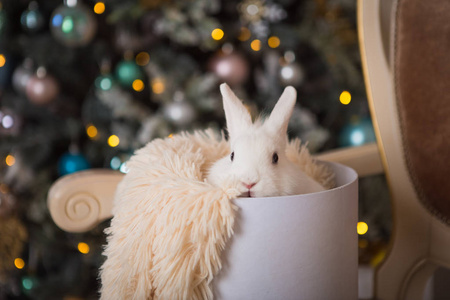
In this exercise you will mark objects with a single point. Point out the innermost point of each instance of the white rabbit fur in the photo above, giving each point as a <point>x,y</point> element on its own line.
<point>253,147</point>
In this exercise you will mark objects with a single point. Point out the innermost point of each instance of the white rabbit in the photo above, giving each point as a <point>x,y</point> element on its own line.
<point>257,159</point>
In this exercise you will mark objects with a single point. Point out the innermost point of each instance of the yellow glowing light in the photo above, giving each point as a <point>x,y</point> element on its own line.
<point>158,86</point>
<point>362,228</point>
<point>273,42</point>
<point>91,131</point>
<point>142,58</point>
<point>113,141</point>
<point>2,60</point>
<point>10,160</point>
<point>345,97</point>
<point>99,8</point>
<point>170,136</point>
<point>245,34</point>
<point>217,34</point>
<point>138,85</point>
<point>256,45</point>
<point>19,263</point>
<point>83,248</point>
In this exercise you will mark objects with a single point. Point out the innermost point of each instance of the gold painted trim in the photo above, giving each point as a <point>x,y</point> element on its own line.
<point>368,86</point>
<point>365,69</point>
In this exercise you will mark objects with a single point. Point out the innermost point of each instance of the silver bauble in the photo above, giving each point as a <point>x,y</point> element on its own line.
<point>180,112</point>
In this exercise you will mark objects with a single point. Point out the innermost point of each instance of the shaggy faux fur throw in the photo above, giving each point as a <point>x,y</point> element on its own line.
<point>170,225</point>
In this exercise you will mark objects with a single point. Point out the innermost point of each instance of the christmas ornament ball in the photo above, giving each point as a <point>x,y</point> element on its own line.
<point>128,71</point>
<point>179,112</point>
<point>73,26</point>
<point>232,68</point>
<point>71,162</point>
<point>32,19</point>
<point>42,89</point>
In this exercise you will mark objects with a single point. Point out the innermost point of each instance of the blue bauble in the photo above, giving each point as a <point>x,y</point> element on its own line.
<point>357,133</point>
<point>72,162</point>
<point>32,19</point>
<point>73,26</point>
<point>128,71</point>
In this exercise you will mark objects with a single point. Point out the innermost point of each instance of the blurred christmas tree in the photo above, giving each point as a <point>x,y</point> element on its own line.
<point>85,83</point>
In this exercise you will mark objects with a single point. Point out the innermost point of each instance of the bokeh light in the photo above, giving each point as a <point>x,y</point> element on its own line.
<point>113,141</point>
<point>345,97</point>
<point>10,160</point>
<point>142,58</point>
<point>138,85</point>
<point>19,263</point>
<point>99,8</point>
<point>217,34</point>
<point>83,248</point>
<point>91,131</point>
<point>273,42</point>
<point>362,228</point>
<point>256,45</point>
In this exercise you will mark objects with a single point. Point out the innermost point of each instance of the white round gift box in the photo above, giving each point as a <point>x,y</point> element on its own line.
<point>294,247</point>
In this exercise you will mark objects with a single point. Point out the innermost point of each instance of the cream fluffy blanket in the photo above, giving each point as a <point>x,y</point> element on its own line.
<point>170,225</point>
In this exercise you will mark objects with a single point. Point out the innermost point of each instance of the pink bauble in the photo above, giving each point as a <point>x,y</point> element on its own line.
<point>42,90</point>
<point>231,68</point>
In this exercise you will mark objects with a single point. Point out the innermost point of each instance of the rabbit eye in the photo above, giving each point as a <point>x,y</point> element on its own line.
<point>232,156</point>
<point>275,158</point>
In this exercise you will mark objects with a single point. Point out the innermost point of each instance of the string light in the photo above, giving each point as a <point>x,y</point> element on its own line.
<point>91,131</point>
<point>99,8</point>
<point>345,97</point>
<point>2,60</point>
<point>10,160</point>
<point>83,248</point>
<point>142,58</point>
<point>217,34</point>
<point>19,263</point>
<point>273,42</point>
<point>138,85</point>
<point>113,141</point>
<point>158,86</point>
<point>245,34</point>
<point>362,228</point>
<point>256,45</point>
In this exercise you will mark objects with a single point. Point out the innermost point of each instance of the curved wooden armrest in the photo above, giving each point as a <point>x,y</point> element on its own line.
<point>365,159</point>
<point>79,201</point>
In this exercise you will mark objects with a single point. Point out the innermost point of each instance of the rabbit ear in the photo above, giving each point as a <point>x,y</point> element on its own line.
<point>237,116</point>
<point>281,113</point>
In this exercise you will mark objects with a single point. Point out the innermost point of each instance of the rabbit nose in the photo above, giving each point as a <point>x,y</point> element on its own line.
<point>249,185</point>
